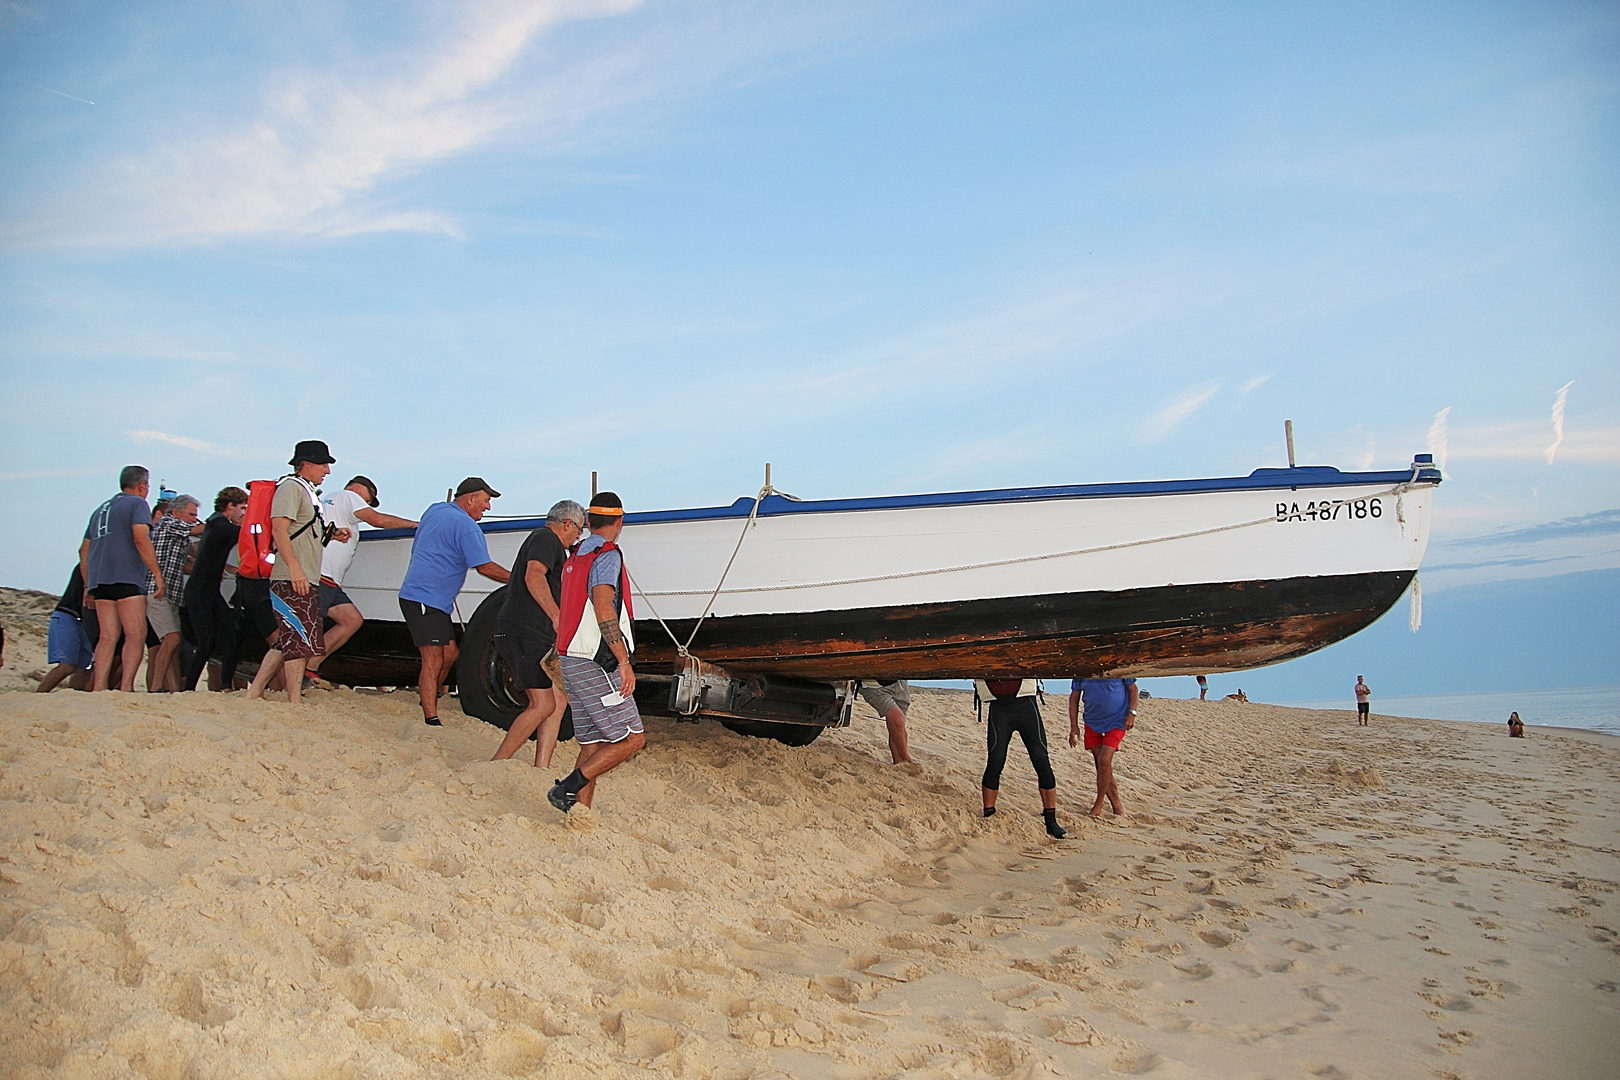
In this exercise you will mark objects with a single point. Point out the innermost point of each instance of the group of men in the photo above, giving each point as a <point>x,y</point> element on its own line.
<point>144,572</point>
<point>564,629</point>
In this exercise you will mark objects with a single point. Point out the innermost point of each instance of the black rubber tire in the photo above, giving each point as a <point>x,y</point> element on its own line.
<point>483,680</point>
<point>787,734</point>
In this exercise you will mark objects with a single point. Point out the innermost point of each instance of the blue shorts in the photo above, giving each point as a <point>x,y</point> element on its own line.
<point>67,642</point>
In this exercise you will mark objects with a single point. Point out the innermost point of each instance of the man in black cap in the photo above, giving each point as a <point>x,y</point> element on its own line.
<point>448,543</point>
<point>300,535</point>
<point>346,509</point>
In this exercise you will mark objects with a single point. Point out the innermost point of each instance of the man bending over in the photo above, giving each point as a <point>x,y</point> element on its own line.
<point>448,543</point>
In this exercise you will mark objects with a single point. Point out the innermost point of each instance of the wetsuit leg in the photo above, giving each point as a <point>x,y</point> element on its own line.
<point>998,733</point>
<point>201,615</point>
<point>1033,732</point>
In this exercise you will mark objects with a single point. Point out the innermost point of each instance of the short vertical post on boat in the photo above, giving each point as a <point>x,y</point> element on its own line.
<point>767,476</point>
<point>593,485</point>
<point>1288,430</point>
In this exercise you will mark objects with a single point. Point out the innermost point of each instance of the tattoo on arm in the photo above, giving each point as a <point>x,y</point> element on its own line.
<point>611,633</point>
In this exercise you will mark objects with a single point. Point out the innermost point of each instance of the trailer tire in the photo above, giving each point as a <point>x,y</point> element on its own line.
<point>787,734</point>
<point>484,681</point>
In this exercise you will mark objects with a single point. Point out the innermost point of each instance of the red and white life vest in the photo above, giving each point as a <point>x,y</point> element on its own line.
<point>577,634</point>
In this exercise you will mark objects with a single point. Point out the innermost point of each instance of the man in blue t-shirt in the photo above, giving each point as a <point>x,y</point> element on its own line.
<point>1110,711</point>
<point>114,559</point>
<point>448,543</point>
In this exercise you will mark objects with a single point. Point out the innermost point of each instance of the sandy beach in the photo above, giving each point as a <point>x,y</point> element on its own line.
<point>201,886</point>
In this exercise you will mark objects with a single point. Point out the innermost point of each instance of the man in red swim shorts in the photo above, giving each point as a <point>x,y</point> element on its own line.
<point>1110,711</point>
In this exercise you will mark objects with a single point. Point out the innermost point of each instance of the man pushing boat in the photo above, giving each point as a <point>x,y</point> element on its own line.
<point>594,640</point>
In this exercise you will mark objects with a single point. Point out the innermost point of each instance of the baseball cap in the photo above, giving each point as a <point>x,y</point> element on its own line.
<point>475,483</point>
<point>371,486</point>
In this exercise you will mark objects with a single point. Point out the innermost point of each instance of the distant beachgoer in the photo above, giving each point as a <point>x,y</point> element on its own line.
<point>345,509</point>
<point>213,621</point>
<point>1203,688</point>
<point>115,558</point>
<point>1363,703</point>
<point>67,644</point>
<point>526,631</point>
<point>300,534</point>
<point>1515,727</point>
<point>1013,707</point>
<point>892,700</point>
<point>1110,711</point>
<point>448,543</point>
<point>596,639</point>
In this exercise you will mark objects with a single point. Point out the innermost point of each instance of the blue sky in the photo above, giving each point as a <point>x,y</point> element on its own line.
<point>889,247</point>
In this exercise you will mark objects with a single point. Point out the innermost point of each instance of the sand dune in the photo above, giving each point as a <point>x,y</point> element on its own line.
<point>197,885</point>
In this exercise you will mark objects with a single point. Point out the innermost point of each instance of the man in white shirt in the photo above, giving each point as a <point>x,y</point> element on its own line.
<point>345,509</point>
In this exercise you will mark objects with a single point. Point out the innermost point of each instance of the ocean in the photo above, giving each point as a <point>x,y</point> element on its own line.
<point>1596,708</point>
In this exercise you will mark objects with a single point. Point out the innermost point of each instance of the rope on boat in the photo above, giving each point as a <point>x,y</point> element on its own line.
<point>684,650</point>
<point>1398,490</point>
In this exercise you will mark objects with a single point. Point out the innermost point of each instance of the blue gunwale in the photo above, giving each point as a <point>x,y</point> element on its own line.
<point>1305,476</point>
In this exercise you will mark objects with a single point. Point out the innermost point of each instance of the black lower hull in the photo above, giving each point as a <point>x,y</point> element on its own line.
<point>1169,630</point>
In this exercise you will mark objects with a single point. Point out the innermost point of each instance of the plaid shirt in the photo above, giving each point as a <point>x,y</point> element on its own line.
<point>172,541</point>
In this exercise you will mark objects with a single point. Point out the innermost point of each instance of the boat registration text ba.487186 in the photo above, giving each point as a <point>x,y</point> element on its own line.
<point>1328,510</point>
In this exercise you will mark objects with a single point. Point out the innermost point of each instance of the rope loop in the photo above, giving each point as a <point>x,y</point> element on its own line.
<point>684,651</point>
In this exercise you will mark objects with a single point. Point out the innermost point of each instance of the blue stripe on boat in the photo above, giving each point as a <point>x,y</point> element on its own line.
<point>1307,476</point>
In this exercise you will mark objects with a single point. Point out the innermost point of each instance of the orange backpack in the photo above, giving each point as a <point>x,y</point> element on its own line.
<point>254,546</point>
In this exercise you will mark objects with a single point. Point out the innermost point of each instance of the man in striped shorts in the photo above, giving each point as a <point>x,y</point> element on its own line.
<point>595,641</point>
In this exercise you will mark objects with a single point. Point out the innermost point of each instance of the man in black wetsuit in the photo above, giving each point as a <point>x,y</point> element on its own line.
<point>1013,707</point>
<point>213,622</point>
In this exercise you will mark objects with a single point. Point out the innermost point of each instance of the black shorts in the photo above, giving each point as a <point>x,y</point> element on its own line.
<point>523,655</point>
<point>117,590</point>
<point>333,596</point>
<point>1364,707</point>
<point>428,625</point>
<point>253,600</point>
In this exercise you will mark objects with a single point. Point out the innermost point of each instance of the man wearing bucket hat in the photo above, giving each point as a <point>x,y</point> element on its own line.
<point>300,535</point>
<point>448,543</point>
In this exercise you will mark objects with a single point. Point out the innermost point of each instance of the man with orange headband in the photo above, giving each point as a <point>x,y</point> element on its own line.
<point>595,640</point>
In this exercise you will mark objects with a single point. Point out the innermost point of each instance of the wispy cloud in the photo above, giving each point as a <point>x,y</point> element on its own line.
<point>1254,384</point>
<point>1558,420</point>
<point>1062,319</point>
<point>1526,441</point>
<point>1601,523</point>
<point>163,438</point>
<point>323,140</point>
<point>1439,439</point>
<point>1172,415</point>
<point>1524,560</point>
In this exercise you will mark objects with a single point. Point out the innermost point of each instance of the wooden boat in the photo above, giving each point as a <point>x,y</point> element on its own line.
<point>1159,578</point>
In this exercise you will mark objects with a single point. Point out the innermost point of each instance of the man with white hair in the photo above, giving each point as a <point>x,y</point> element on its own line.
<point>526,630</point>
<point>171,540</point>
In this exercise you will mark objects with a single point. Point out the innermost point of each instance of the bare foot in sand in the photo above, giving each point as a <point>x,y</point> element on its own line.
<point>909,767</point>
